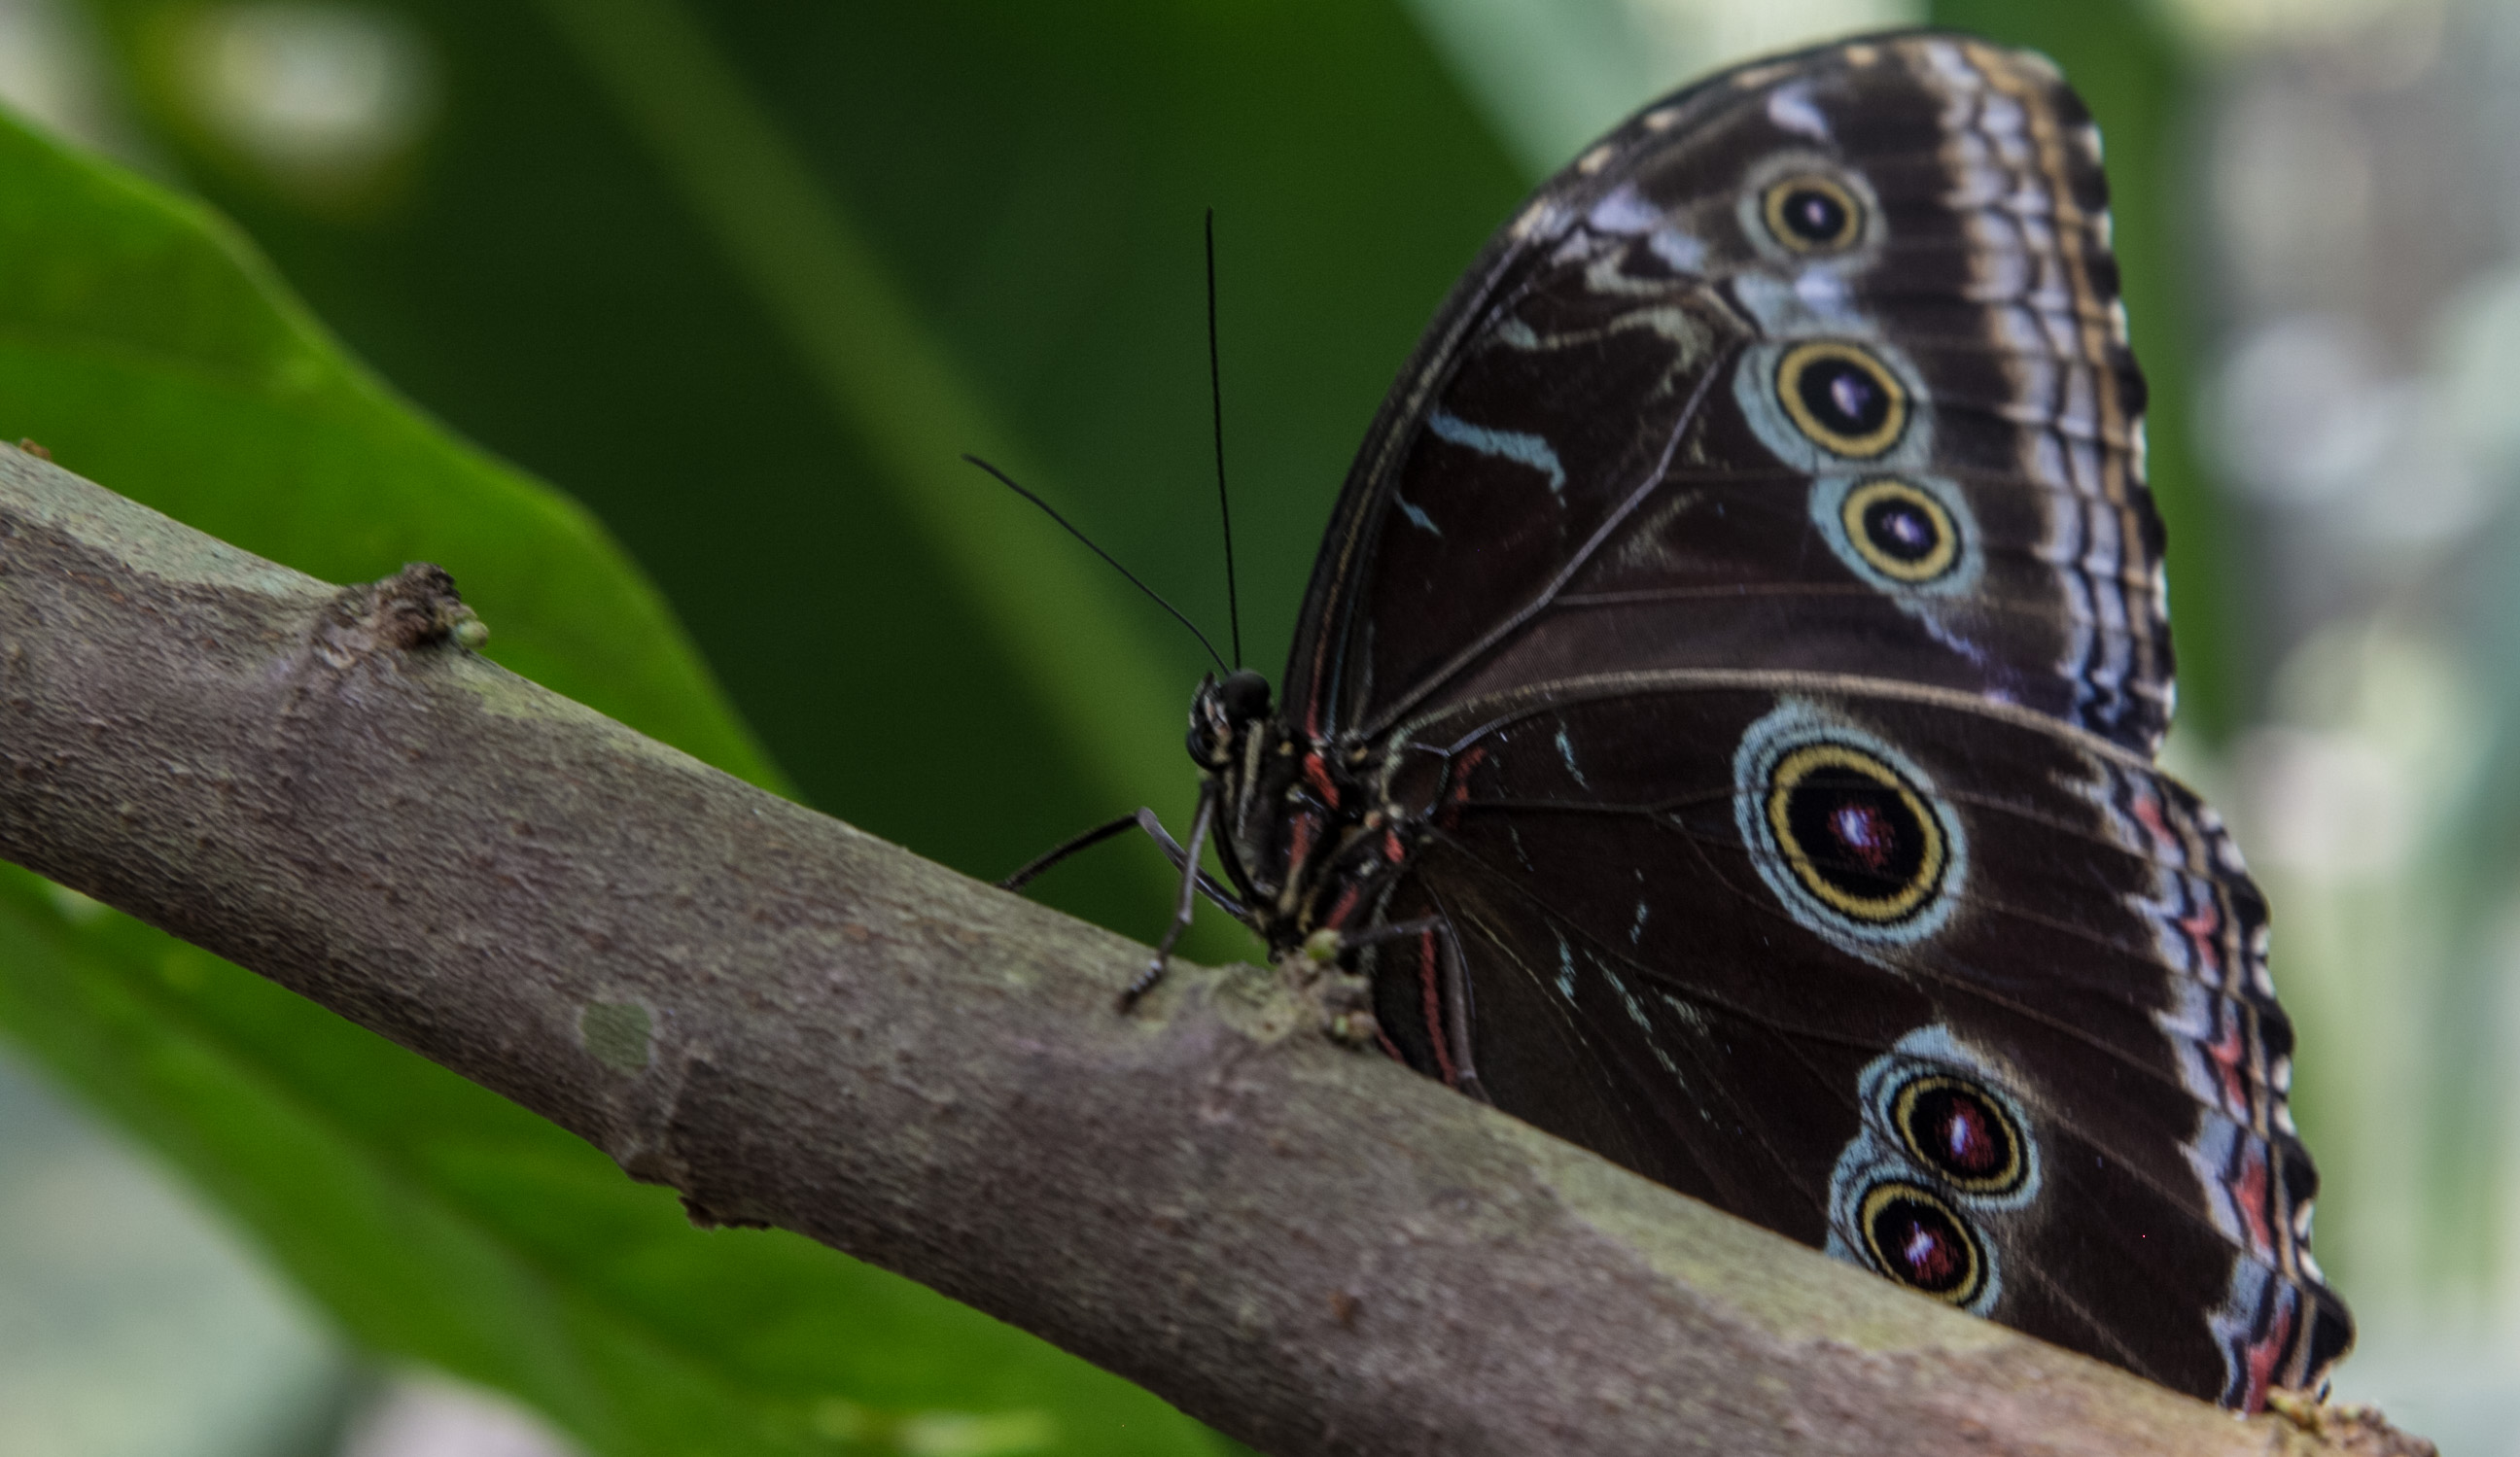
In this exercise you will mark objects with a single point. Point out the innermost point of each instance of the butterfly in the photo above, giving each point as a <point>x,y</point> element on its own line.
<point>1722,723</point>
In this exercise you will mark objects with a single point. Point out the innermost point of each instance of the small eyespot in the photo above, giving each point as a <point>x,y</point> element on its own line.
<point>1842,398</point>
<point>1953,1128</point>
<point>1919,1240</point>
<point>1901,530</point>
<point>1808,213</point>
<point>1856,833</point>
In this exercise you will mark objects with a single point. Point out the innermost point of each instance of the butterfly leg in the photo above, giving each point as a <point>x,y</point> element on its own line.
<point>1032,868</point>
<point>1208,885</point>
<point>1190,887</point>
<point>1144,820</point>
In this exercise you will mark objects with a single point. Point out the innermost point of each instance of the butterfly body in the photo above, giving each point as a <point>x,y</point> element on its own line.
<point>1722,721</point>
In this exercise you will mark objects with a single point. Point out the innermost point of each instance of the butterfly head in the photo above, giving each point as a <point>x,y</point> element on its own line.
<point>1226,709</point>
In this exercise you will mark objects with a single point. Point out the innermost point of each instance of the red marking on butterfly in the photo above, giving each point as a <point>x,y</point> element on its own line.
<point>2259,1357</point>
<point>1432,994</point>
<point>1930,1256</point>
<point>2250,1187</point>
<point>1969,1141</point>
<point>1318,775</point>
<point>1301,826</point>
<point>2202,927</point>
<point>1458,791</point>
<point>2229,1052</point>
<point>2147,813</point>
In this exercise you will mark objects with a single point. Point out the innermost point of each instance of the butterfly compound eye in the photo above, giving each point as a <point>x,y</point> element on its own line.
<point>1812,214</point>
<point>1245,696</point>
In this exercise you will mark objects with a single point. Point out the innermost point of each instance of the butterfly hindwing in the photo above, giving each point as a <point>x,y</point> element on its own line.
<point>1720,925</point>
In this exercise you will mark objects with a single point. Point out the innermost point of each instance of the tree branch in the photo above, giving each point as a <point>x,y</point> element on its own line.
<point>796,1024</point>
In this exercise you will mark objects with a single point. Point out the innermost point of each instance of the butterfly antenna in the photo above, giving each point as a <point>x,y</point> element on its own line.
<point>1009,482</point>
<point>1216,406</point>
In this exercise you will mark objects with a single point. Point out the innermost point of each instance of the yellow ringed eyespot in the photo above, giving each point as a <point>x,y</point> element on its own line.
<point>1842,397</point>
<point>1901,530</point>
<point>1810,213</point>
<point>1855,832</point>
<point>1918,1239</point>
<point>1955,1129</point>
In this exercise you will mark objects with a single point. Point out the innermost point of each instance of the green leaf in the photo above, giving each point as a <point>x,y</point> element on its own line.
<point>145,344</point>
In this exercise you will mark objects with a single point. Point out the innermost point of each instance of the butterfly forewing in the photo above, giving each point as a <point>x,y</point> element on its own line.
<point>1652,370</point>
<point>1735,662</point>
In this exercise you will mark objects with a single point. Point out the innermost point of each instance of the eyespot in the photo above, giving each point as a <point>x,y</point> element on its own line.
<point>1806,214</point>
<point>1953,1128</point>
<point>1912,536</point>
<point>1810,213</point>
<point>1901,530</point>
<point>1855,832</point>
<point>1919,1240</point>
<point>1842,398</point>
<point>1846,830</point>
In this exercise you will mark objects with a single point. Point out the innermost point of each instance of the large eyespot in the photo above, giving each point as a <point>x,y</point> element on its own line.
<point>1843,398</point>
<point>1953,1128</point>
<point>1808,213</point>
<point>1901,531</point>
<point>1918,1239</point>
<point>1845,830</point>
<point>1855,832</point>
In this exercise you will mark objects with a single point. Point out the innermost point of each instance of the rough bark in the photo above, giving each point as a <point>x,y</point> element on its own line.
<point>796,1024</point>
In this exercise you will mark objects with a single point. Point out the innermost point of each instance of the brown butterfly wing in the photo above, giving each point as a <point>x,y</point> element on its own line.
<point>1717,925</point>
<point>1749,603</point>
<point>1590,463</point>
